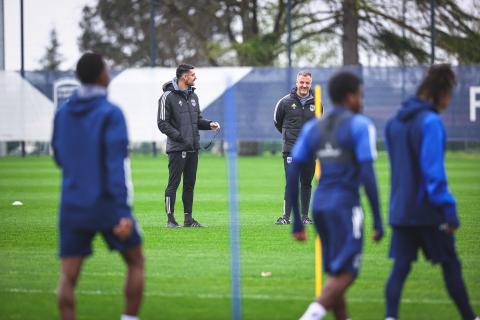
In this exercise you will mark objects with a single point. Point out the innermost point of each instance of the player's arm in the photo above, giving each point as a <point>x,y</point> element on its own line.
<point>278,115</point>
<point>303,152</point>
<point>163,119</point>
<point>54,142</point>
<point>386,135</point>
<point>364,135</point>
<point>432,162</point>
<point>118,176</point>
<point>369,181</point>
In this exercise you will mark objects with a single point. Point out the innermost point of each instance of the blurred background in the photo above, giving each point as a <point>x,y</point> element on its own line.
<point>257,46</point>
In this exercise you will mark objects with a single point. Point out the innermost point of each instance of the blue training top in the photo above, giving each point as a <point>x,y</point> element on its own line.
<point>90,145</point>
<point>345,144</point>
<point>419,195</point>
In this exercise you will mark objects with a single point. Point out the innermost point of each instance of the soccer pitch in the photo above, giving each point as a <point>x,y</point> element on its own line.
<point>188,270</point>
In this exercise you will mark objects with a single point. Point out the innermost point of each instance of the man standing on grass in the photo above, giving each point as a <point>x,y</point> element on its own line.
<point>423,213</point>
<point>344,142</point>
<point>179,118</point>
<point>291,113</point>
<point>90,145</point>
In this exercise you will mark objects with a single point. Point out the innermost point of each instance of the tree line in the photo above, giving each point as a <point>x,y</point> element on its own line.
<point>254,32</point>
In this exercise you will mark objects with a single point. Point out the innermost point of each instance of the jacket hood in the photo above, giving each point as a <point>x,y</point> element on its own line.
<point>412,107</point>
<point>168,86</point>
<point>85,98</point>
<point>172,85</point>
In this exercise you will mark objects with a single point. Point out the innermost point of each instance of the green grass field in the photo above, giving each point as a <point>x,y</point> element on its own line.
<point>188,269</point>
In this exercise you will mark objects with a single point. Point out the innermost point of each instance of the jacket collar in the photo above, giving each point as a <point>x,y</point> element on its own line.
<point>89,91</point>
<point>293,94</point>
<point>177,88</point>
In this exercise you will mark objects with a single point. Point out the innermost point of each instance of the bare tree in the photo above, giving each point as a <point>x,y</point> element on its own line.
<point>253,32</point>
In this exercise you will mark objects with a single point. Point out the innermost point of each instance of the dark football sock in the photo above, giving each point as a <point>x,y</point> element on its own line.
<point>305,199</point>
<point>452,274</point>
<point>287,209</point>
<point>393,289</point>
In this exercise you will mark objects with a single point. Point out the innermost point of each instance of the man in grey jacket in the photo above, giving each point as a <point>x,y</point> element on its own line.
<point>180,119</point>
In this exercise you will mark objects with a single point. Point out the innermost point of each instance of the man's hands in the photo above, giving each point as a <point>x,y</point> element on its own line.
<point>123,229</point>
<point>448,228</point>
<point>377,235</point>
<point>215,125</point>
<point>300,235</point>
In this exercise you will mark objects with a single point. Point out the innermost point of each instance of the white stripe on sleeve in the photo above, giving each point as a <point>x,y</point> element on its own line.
<point>372,135</point>
<point>163,100</point>
<point>128,180</point>
<point>276,108</point>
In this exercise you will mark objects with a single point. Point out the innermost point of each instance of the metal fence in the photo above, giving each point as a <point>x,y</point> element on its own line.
<point>384,89</point>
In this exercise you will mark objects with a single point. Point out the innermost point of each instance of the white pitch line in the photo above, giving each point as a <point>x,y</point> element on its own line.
<point>92,274</point>
<point>227,296</point>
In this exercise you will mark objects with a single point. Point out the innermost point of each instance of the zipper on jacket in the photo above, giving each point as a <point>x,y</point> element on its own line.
<point>303,109</point>
<point>191,121</point>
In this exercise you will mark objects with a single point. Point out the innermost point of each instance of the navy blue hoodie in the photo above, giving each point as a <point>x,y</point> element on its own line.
<point>419,194</point>
<point>90,145</point>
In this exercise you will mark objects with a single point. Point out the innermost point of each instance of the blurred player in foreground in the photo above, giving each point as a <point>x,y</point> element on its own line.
<point>423,213</point>
<point>90,145</point>
<point>344,142</point>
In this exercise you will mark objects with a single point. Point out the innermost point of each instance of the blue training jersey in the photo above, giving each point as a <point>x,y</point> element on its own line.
<point>90,145</point>
<point>352,142</point>
<point>415,138</point>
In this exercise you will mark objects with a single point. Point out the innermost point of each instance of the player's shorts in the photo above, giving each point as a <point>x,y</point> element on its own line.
<point>437,245</point>
<point>77,242</point>
<point>341,233</point>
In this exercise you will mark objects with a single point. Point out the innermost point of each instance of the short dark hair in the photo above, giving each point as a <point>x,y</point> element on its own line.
<point>341,85</point>
<point>182,69</point>
<point>440,80</point>
<point>89,67</point>
<point>304,73</point>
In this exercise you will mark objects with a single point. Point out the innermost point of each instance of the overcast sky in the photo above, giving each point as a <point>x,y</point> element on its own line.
<point>40,16</point>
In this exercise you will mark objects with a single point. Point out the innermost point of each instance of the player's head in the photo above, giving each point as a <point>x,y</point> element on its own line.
<point>91,69</point>
<point>345,89</point>
<point>437,86</point>
<point>186,74</point>
<point>303,83</point>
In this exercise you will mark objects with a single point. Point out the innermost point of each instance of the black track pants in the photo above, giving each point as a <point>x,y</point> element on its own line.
<point>306,176</point>
<point>181,163</point>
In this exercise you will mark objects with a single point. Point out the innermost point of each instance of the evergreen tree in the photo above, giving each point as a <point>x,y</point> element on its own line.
<point>52,57</point>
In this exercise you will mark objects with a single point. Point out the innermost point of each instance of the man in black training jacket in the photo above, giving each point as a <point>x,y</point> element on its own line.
<point>179,118</point>
<point>291,113</point>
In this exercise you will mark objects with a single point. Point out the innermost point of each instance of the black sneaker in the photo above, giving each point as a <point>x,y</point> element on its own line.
<point>307,220</point>
<point>282,220</point>
<point>192,224</point>
<point>172,224</point>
